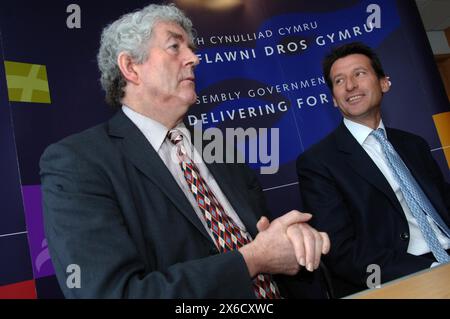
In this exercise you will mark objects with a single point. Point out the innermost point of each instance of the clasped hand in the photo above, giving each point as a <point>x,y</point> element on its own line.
<point>284,245</point>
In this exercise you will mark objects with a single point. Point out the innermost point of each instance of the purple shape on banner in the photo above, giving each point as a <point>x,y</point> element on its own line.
<point>32,198</point>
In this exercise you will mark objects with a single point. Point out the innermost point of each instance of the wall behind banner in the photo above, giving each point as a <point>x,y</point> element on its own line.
<point>260,68</point>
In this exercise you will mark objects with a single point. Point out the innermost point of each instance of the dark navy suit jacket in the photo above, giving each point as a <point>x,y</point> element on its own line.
<point>113,208</point>
<point>352,201</point>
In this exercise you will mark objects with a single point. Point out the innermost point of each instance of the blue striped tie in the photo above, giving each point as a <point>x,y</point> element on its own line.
<point>417,201</point>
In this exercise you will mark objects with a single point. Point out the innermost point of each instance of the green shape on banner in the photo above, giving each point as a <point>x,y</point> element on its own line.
<point>27,82</point>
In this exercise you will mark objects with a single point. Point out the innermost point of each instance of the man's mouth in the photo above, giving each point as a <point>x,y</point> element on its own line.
<point>189,78</point>
<point>355,98</point>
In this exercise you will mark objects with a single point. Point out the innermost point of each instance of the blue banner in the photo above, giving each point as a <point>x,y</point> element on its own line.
<point>260,70</point>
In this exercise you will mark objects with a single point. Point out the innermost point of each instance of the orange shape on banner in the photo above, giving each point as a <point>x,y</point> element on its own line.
<point>442,122</point>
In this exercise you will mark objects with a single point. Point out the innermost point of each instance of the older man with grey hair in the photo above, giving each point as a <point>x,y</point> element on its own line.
<point>141,225</point>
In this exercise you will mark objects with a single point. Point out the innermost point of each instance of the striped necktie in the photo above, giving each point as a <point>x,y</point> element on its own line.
<point>228,236</point>
<point>415,198</point>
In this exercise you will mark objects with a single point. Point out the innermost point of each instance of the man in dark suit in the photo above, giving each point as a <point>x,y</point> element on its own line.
<point>352,183</point>
<point>125,203</point>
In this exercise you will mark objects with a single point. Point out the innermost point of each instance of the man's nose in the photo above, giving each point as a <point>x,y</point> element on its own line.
<point>351,84</point>
<point>192,58</point>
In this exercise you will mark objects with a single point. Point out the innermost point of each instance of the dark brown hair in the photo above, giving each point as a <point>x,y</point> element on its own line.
<point>348,49</point>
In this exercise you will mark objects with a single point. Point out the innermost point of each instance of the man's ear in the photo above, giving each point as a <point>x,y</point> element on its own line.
<point>385,84</point>
<point>128,67</point>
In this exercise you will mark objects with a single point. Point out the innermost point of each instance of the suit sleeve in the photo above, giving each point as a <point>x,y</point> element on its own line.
<point>436,174</point>
<point>84,226</point>
<point>348,257</point>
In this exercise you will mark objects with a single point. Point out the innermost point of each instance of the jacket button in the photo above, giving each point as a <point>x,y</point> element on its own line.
<point>404,236</point>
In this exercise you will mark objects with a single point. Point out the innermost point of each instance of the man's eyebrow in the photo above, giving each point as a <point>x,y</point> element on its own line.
<point>175,35</point>
<point>358,68</point>
<point>180,37</point>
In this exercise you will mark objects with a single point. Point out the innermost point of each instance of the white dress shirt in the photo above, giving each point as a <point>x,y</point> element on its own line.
<point>417,244</point>
<point>156,134</point>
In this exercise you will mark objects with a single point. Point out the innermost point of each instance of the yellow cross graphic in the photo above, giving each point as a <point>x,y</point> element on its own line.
<point>27,82</point>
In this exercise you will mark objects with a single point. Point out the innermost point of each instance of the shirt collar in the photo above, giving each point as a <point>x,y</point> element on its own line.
<point>359,131</point>
<point>153,131</point>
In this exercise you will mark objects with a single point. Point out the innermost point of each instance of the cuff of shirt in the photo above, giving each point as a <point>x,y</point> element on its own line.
<point>434,264</point>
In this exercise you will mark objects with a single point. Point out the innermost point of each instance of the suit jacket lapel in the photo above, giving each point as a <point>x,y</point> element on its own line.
<point>236,199</point>
<point>226,184</point>
<point>362,164</point>
<point>137,149</point>
<point>403,148</point>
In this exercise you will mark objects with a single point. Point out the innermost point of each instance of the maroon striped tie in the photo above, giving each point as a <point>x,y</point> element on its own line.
<point>227,234</point>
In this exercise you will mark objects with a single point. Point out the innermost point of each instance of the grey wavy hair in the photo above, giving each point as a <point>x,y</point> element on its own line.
<point>131,33</point>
